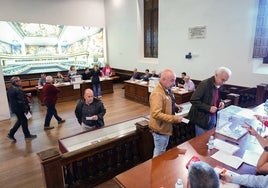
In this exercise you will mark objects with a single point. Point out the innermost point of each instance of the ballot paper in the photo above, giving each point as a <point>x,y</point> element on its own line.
<point>184,120</point>
<point>251,157</point>
<point>225,146</point>
<point>228,159</point>
<point>28,115</point>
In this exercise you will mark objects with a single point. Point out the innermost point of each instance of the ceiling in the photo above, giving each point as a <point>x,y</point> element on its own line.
<point>32,34</point>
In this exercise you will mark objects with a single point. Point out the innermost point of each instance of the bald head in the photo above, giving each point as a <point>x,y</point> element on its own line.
<point>167,78</point>
<point>88,96</point>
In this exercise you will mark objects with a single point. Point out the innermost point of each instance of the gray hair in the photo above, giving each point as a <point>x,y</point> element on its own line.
<point>49,79</point>
<point>14,79</point>
<point>223,69</point>
<point>202,175</point>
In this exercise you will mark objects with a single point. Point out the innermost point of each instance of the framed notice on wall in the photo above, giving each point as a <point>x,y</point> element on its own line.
<point>198,32</point>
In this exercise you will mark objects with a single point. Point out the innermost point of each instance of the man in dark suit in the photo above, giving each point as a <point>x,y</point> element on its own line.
<point>135,75</point>
<point>206,101</point>
<point>19,105</point>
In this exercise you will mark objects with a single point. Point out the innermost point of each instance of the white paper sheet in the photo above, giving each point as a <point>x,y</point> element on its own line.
<point>227,159</point>
<point>184,120</point>
<point>225,146</point>
<point>251,157</point>
<point>28,115</point>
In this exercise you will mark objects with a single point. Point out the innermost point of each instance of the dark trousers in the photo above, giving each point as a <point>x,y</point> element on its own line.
<point>51,111</point>
<point>21,120</point>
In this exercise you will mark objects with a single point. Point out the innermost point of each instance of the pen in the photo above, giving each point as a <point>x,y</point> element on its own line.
<point>235,143</point>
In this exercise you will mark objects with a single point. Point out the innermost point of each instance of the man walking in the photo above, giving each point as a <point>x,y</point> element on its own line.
<point>50,95</point>
<point>19,105</point>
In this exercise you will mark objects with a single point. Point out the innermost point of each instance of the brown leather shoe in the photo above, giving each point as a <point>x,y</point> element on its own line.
<point>50,127</point>
<point>61,121</point>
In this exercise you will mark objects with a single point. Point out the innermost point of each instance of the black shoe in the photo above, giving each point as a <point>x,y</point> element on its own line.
<point>61,121</point>
<point>12,138</point>
<point>31,136</point>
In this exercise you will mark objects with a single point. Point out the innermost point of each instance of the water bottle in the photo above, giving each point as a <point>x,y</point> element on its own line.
<point>211,142</point>
<point>266,106</point>
<point>179,184</point>
<point>266,103</point>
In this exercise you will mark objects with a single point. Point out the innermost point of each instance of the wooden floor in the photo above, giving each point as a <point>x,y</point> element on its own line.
<point>19,163</point>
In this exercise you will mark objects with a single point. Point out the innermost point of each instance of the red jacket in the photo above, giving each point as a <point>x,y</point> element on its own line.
<point>50,93</point>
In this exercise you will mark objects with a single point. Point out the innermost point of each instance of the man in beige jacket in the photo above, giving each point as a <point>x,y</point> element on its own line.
<point>162,111</point>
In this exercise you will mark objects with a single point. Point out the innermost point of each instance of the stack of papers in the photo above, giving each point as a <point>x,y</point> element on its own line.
<point>225,146</point>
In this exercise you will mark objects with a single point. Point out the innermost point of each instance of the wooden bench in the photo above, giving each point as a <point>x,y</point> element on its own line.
<point>29,86</point>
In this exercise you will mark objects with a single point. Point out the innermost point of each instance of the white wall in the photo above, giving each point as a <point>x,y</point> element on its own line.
<point>66,12</point>
<point>122,35</point>
<point>229,41</point>
<point>4,111</point>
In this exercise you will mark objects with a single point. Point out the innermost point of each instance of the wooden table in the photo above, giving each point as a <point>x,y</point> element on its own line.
<point>181,95</point>
<point>164,170</point>
<point>138,91</point>
<point>69,92</point>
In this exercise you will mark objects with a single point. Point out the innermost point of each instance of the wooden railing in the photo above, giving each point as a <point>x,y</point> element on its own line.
<point>94,164</point>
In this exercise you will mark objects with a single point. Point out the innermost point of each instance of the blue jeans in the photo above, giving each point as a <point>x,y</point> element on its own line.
<point>211,124</point>
<point>51,111</point>
<point>160,143</point>
<point>96,90</point>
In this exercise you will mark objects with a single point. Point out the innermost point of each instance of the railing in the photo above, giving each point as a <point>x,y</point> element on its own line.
<point>94,164</point>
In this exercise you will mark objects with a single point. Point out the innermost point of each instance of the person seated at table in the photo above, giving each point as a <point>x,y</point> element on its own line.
<point>188,84</point>
<point>201,174</point>
<point>59,78</point>
<point>154,75</point>
<point>86,74</point>
<point>90,111</point>
<point>262,165</point>
<point>59,75</point>
<point>146,76</point>
<point>42,80</point>
<point>135,75</point>
<point>107,70</point>
<point>72,72</point>
<point>247,180</point>
<point>180,81</point>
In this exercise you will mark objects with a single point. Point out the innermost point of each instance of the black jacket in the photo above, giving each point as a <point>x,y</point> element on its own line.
<point>17,99</point>
<point>95,108</point>
<point>202,100</point>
